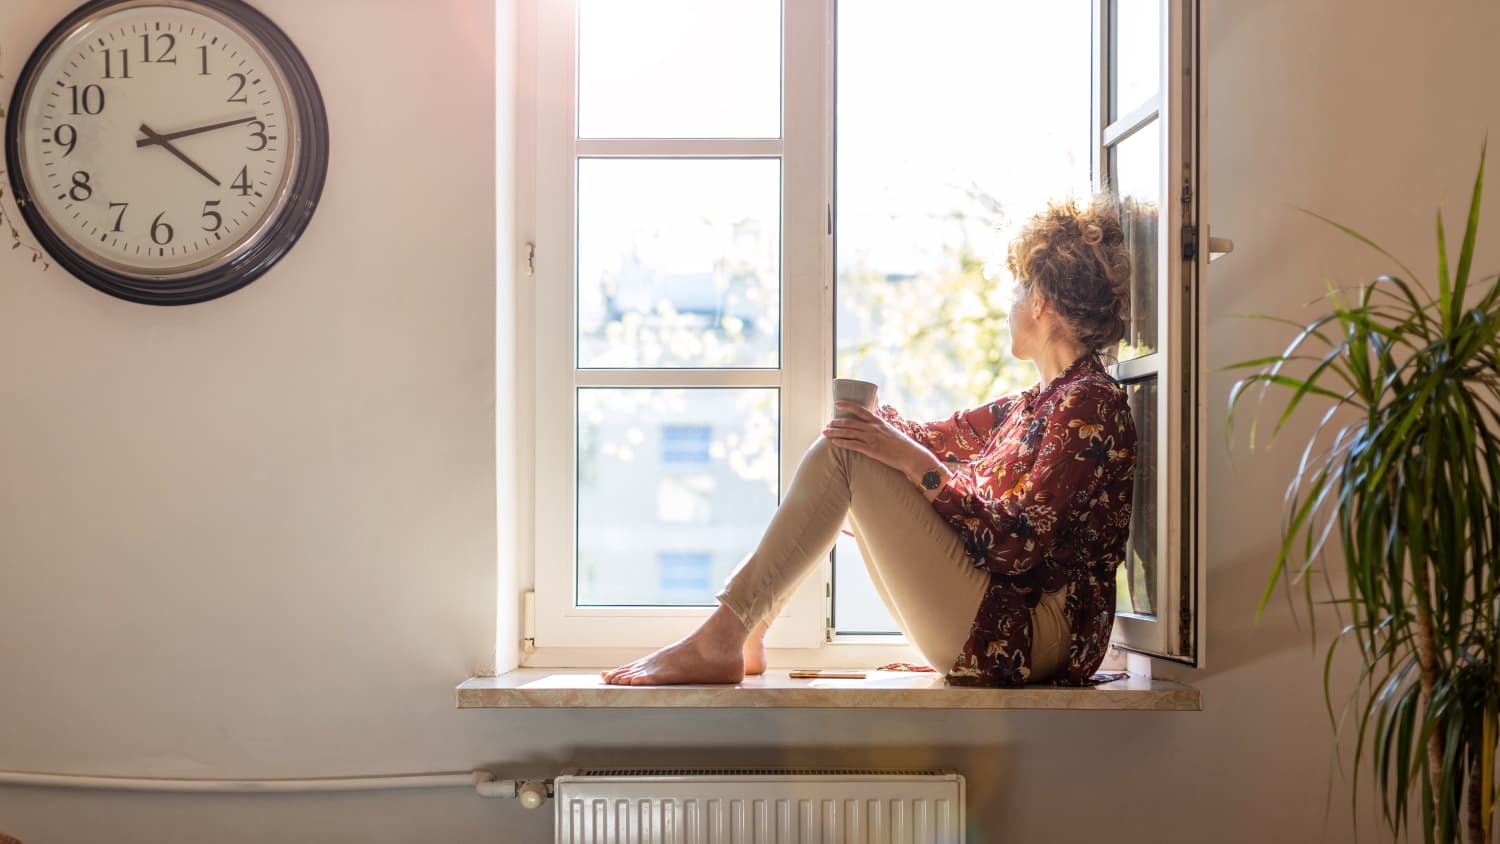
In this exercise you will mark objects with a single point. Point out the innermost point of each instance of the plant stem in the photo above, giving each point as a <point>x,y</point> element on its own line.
<point>1486,809</point>
<point>1476,806</point>
<point>1427,660</point>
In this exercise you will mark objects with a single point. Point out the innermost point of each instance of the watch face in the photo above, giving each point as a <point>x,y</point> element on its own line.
<point>160,145</point>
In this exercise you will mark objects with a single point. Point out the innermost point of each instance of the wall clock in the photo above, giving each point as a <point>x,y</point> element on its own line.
<point>167,151</point>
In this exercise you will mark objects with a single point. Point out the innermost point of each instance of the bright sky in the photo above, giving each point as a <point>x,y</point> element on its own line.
<point>933,97</point>
<point>996,94</point>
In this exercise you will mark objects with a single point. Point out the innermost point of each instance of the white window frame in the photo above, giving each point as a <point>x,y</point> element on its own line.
<point>558,633</point>
<point>806,325</point>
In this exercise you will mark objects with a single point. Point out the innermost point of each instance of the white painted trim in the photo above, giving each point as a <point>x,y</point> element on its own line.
<point>1132,122</point>
<point>1100,112</point>
<point>807,272</point>
<point>1136,368</point>
<point>509,265</point>
<point>1198,286</point>
<point>677,378</point>
<point>680,148</point>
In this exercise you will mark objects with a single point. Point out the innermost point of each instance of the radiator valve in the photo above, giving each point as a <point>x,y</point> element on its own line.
<point>532,794</point>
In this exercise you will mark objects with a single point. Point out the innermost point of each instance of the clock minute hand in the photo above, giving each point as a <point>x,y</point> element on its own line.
<point>165,144</point>
<point>172,136</point>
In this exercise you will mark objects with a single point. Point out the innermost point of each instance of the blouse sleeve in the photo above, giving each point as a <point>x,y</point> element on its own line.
<point>957,438</point>
<point>1076,445</point>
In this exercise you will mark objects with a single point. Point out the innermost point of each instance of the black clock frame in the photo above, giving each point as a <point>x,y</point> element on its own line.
<point>272,244</point>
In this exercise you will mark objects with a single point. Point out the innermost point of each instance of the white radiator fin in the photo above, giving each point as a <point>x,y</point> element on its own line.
<point>719,807</point>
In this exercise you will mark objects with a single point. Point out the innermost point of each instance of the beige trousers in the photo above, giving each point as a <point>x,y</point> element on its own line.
<point>916,559</point>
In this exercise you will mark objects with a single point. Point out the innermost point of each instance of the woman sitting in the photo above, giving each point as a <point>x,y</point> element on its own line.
<point>992,536</point>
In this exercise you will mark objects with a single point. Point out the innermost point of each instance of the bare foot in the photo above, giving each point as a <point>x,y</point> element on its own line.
<point>684,662</point>
<point>755,652</point>
<point>711,654</point>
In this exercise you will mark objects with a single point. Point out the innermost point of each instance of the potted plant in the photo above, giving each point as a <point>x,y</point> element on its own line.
<point>1403,470</point>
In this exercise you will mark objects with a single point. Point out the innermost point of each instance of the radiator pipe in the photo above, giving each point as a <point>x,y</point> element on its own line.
<point>531,793</point>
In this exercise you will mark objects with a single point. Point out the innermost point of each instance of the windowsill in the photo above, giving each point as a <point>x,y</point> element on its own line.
<point>582,689</point>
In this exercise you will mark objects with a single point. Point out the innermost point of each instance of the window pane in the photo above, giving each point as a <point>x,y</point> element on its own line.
<point>679,262</point>
<point>685,573</point>
<point>1136,30</point>
<point>679,69</point>
<point>1135,579</point>
<point>674,488</point>
<point>1135,165</point>
<point>941,157</point>
<point>857,607</point>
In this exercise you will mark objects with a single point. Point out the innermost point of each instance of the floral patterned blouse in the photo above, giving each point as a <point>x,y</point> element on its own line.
<point>1041,496</point>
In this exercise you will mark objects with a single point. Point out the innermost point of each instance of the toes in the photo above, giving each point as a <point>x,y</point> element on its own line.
<point>613,676</point>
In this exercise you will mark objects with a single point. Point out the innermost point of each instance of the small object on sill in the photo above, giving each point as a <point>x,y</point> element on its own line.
<point>1109,677</point>
<point>815,674</point>
<point>907,666</point>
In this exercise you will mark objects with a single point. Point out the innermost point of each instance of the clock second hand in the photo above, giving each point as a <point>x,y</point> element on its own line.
<point>153,138</point>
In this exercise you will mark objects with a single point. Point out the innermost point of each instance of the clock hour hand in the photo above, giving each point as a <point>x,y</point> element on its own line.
<point>158,140</point>
<point>172,136</point>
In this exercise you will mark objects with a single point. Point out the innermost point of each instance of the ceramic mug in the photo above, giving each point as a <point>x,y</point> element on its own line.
<point>852,389</point>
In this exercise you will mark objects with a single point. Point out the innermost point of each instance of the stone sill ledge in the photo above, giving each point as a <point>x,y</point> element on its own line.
<point>580,688</point>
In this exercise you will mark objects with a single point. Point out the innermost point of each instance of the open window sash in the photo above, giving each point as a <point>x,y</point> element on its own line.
<point>1146,153</point>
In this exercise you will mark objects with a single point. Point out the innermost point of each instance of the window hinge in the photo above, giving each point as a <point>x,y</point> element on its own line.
<point>528,622</point>
<point>530,259</point>
<point>1189,243</point>
<point>830,219</point>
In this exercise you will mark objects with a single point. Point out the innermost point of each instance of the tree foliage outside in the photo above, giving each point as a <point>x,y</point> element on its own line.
<point>938,340</point>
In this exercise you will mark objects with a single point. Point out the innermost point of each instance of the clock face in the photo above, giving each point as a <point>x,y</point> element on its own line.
<point>162,140</point>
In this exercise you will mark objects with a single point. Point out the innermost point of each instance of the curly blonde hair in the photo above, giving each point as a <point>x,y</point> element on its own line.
<point>1076,256</point>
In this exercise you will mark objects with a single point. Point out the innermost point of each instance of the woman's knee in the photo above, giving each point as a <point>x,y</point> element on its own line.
<point>822,449</point>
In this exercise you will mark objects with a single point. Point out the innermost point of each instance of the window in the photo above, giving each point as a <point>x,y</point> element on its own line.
<point>733,203</point>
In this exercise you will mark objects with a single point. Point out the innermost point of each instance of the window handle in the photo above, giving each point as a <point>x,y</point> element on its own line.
<point>1218,247</point>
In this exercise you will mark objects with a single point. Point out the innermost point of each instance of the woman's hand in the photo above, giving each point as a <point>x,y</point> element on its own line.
<point>872,436</point>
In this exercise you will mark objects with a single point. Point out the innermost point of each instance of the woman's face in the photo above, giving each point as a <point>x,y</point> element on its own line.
<point>1023,323</point>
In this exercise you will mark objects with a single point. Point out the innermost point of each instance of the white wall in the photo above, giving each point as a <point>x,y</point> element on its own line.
<point>257,537</point>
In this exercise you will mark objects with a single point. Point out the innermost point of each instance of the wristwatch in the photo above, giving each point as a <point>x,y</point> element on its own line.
<point>932,479</point>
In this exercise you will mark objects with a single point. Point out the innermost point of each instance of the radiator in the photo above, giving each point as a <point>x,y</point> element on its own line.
<point>759,807</point>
